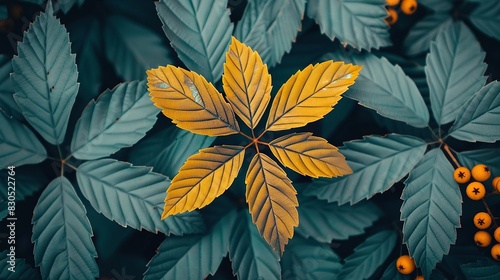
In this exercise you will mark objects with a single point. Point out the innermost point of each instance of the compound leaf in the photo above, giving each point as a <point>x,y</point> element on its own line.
<point>377,163</point>
<point>360,24</point>
<point>431,210</point>
<point>485,18</point>
<point>118,119</point>
<point>481,270</point>
<point>272,201</point>
<point>45,77</point>
<point>200,32</point>
<point>369,255</point>
<point>310,94</point>
<point>309,155</point>
<point>191,102</point>
<point>7,102</point>
<point>424,31</point>
<point>204,177</point>
<point>246,82</point>
<point>22,269</point>
<point>62,234</point>
<point>454,70</point>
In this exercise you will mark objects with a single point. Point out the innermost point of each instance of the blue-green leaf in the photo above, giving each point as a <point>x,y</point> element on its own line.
<point>454,70</point>
<point>3,209</point>
<point>22,270</point>
<point>45,77</point>
<point>481,270</point>
<point>325,221</point>
<point>424,31</point>
<point>477,119</point>
<point>62,234</point>
<point>438,5</point>
<point>386,88</point>
<point>431,210</point>
<point>489,157</point>
<point>7,102</point>
<point>18,145</point>
<point>307,259</point>
<point>360,24</point>
<point>392,273</point>
<point>251,256</point>
<point>377,163</point>
<point>485,18</point>
<point>168,149</point>
<point>200,32</point>
<point>133,48</point>
<point>118,119</point>
<point>270,27</point>
<point>192,257</point>
<point>29,179</point>
<point>369,255</point>
<point>132,196</point>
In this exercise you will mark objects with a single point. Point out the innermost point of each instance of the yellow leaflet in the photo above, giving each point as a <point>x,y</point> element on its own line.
<point>246,82</point>
<point>204,176</point>
<point>309,155</point>
<point>191,102</point>
<point>310,94</point>
<point>272,201</point>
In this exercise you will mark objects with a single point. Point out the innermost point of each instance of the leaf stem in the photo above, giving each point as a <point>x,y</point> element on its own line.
<point>246,136</point>
<point>450,154</point>
<point>489,212</point>
<point>433,133</point>
<point>71,166</point>
<point>60,152</point>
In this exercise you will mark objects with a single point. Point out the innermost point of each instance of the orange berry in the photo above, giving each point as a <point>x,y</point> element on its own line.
<point>461,175</point>
<point>482,238</point>
<point>496,183</point>
<point>405,264</point>
<point>496,234</point>
<point>409,6</point>
<point>392,2</point>
<point>475,191</point>
<point>419,277</point>
<point>392,17</point>
<point>482,220</point>
<point>495,252</point>
<point>480,172</point>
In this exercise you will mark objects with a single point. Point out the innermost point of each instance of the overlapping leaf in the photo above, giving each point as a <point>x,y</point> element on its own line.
<point>200,32</point>
<point>432,205</point>
<point>30,179</point>
<point>45,77</point>
<point>454,70</point>
<point>272,201</point>
<point>62,234</point>
<point>118,119</point>
<point>478,119</point>
<point>360,24</point>
<point>22,269</point>
<point>132,196</point>
<point>191,102</point>
<point>485,18</point>
<point>490,157</point>
<point>481,270</point>
<point>377,163</point>
<point>309,155</point>
<point>424,31</point>
<point>310,94</point>
<point>7,102</point>
<point>392,273</point>
<point>204,177</point>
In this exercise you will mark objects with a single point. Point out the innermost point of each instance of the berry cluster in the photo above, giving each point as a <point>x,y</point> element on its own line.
<point>407,7</point>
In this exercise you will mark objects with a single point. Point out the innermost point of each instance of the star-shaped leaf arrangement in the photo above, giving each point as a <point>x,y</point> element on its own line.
<point>195,105</point>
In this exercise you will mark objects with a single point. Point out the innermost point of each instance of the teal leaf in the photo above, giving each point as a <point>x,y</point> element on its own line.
<point>478,118</point>
<point>22,269</point>
<point>385,88</point>
<point>485,18</point>
<point>200,32</point>
<point>438,5</point>
<point>132,196</point>
<point>481,270</point>
<point>377,163</point>
<point>419,37</point>
<point>325,221</point>
<point>489,157</point>
<point>168,149</point>
<point>45,77</point>
<point>270,27</point>
<point>118,119</point>
<point>3,210</point>
<point>133,48</point>
<point>192,257</point>
<point>18,145</point>
<point>360,24</point>
<point>62,234</point>
<point>29,179</point>
<point>250,255</point>
<point>392,273</point>
<point>369,255</point>
<point>7,102</point>
<point>431,210</point>
<point>307,259</point>
<point>454,70</point>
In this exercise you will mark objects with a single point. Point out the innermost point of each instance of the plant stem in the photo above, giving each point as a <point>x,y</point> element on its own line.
<point>448,151</point>
<point>489,212</point>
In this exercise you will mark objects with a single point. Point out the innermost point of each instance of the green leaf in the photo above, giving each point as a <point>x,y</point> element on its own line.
<point>485,18</point>
<point>481,270</point>
<point>325,221</point>
<point>357,23</point>
<point>431,210</point>
<point>478,118</point>
<point>22,269</point>
<point>29,180</point>
<point>133,48</point>
<point>168,149</point>
<point>200,32</point>
<point>377,163</point>
<point>270,27</point>
<point>45,77</point>
<point>454,70</point>
<point>369,255</point>
<point>251,256</point>
<point>489,157</point>
<point>132,196</point>
<point>307,259</point>
<point>192,257</point>
<point>7,102</point>
<point>385,88</point>
<point>62,234</point>
<point>438,5</point>
<point>18,145</point>
<point>118,119</point>
<point>392,273</point>
<point>424,31</point>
